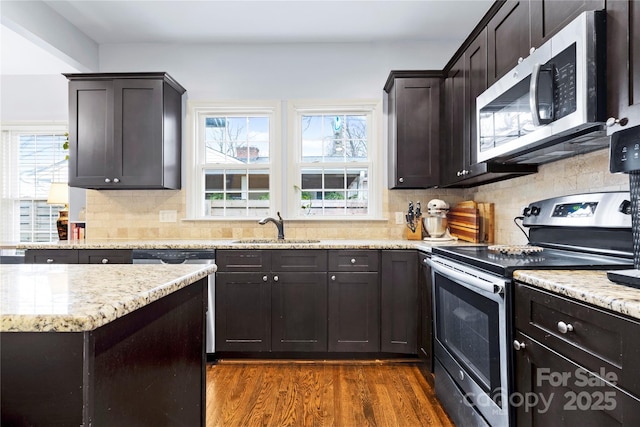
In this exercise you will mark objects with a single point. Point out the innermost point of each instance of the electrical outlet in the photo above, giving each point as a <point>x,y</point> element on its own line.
<point>399,218</point>
<point>168,216</point>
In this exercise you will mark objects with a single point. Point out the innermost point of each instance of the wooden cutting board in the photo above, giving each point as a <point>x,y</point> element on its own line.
<point>472,222</point>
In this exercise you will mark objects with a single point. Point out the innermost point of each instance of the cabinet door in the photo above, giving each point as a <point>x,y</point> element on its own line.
<point>104,256</point>
<point>299,315</point>
<point>414,145</point>
<point>399,302</point>
<point>457,123</point>
<point>91,143</point>
<point>425,339</point>
<point>51,256</point>
<point>138,149</point>
<point>354,312</point>
<point>243,312</point>
<point>476,73</point>
<point>550,16</point>
<point>623,62</point>
<point>554,391</point>
<point>508,38</point>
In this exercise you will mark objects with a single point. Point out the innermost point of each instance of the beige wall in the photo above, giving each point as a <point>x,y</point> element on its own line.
<point>135,214</point>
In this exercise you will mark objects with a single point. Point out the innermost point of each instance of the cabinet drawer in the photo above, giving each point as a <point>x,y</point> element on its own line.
<point>366,260</point>
<point>51,256</point>
<point>104,256</point>
<point>299,260</point>
<point>243,260</point>
<point>594,338</point>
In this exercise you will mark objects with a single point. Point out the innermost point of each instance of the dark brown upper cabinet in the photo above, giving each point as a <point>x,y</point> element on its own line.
<point>508,38</point>
<point>623,63</point>
<point>413,107</point>
<point>124,131</point>
<point>550,16</point>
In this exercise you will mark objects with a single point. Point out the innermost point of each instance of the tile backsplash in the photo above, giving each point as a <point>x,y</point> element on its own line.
<point>135,214</point>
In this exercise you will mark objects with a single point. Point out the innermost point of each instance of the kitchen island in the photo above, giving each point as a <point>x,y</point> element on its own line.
<point>103,344</point>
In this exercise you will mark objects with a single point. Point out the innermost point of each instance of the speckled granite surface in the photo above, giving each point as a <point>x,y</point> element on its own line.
<point>232,244</point>
<point>592,287</point>
<point>83,297</point>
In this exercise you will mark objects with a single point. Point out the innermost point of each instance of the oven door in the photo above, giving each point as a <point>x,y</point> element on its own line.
<point>471,336</point>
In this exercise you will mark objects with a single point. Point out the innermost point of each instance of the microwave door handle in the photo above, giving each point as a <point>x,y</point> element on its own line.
<point>533,94</point>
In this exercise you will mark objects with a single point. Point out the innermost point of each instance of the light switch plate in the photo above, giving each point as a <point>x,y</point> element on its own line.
<point>168,216</point>
<point>399,218</point>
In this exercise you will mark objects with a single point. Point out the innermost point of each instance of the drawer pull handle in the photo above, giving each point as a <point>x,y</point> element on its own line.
<point>563,328</point>
<point>517,345</point>
<point>49,261</point>
<point>353,260</point>
<point>105,261</point>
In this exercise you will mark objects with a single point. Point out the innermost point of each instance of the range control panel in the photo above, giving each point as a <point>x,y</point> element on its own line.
<point>575,210</point>
<point>624,154</point>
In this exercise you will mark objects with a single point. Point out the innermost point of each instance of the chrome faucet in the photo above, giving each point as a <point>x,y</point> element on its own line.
<point>279,223</point>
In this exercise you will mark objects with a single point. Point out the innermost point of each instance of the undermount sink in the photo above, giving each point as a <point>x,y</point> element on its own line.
<point>281,241</point>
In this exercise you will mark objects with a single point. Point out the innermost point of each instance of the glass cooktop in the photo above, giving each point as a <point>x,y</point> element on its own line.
<point>549,259</point>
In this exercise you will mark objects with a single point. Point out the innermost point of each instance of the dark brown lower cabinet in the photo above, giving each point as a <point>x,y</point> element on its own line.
<point>399,302</point>
<point>243,312</point>
<point>299,311</point>
<point>354,312</point>
<point>78,256</point>
<point>552,390</point>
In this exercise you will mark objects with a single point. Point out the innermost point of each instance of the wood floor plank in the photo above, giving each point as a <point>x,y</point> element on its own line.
<point>320,393</point>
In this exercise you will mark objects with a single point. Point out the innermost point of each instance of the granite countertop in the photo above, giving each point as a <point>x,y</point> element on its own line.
<point>246,244</point>
<point>591,287</point>
<point>83,297</point>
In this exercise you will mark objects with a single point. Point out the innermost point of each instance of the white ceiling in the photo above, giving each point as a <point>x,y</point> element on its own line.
<point>266,21</point>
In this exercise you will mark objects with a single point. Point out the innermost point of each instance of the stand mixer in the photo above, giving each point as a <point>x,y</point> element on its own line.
<point>435,221</point>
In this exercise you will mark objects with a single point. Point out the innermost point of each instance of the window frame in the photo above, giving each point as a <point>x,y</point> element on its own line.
<point>370,108</point>
<point>11,133</point>
<point>195,153</point>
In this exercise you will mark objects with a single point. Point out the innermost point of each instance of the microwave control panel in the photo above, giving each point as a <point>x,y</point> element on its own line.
<point>624,153</point>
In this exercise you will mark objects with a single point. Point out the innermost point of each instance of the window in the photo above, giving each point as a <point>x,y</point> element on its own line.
<point>32,157</point>
<point>234,156</point>
<point>327,169</point>
<point>333,159</point>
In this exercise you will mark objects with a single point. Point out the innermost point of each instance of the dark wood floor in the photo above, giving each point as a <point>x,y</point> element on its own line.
<point>320,393</point>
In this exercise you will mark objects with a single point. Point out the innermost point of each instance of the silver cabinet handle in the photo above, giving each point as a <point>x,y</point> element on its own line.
<point>563,328</point>
<point>613,121</point>
<point>105,261</point>
<point>265,278</point>
<point>353,260</point>
<point>517,345</point>
<point>333,278</point>
<point>275,278</point>
<point>116,180</point>
<point>401,180</point>
<point>49,261</point>
<point>107,180</point>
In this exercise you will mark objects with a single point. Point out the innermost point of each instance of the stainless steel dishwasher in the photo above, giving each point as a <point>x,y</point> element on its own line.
<point>186,256</point>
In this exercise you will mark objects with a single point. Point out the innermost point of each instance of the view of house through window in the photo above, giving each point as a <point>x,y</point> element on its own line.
<point>334,171</point>
<point>31,161</point>
<point>236,166</point>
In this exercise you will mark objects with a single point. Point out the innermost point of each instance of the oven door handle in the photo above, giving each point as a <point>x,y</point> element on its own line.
<point>467,279</point>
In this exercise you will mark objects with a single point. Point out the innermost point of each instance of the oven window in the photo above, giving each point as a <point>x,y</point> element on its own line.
<point>467,325</point>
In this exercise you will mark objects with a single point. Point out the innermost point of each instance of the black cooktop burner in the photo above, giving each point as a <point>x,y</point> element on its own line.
<point>549,259</point>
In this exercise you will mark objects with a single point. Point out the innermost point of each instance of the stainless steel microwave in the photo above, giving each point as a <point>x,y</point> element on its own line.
<point>553,103</point>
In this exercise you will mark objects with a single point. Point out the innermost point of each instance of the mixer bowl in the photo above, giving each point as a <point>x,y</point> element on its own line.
<point>435,225</point>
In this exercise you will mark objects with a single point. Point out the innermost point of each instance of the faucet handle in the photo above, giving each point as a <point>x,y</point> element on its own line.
<point>278,213</point>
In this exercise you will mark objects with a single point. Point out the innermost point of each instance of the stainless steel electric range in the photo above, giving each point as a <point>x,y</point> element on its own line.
<point>472,295</point>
